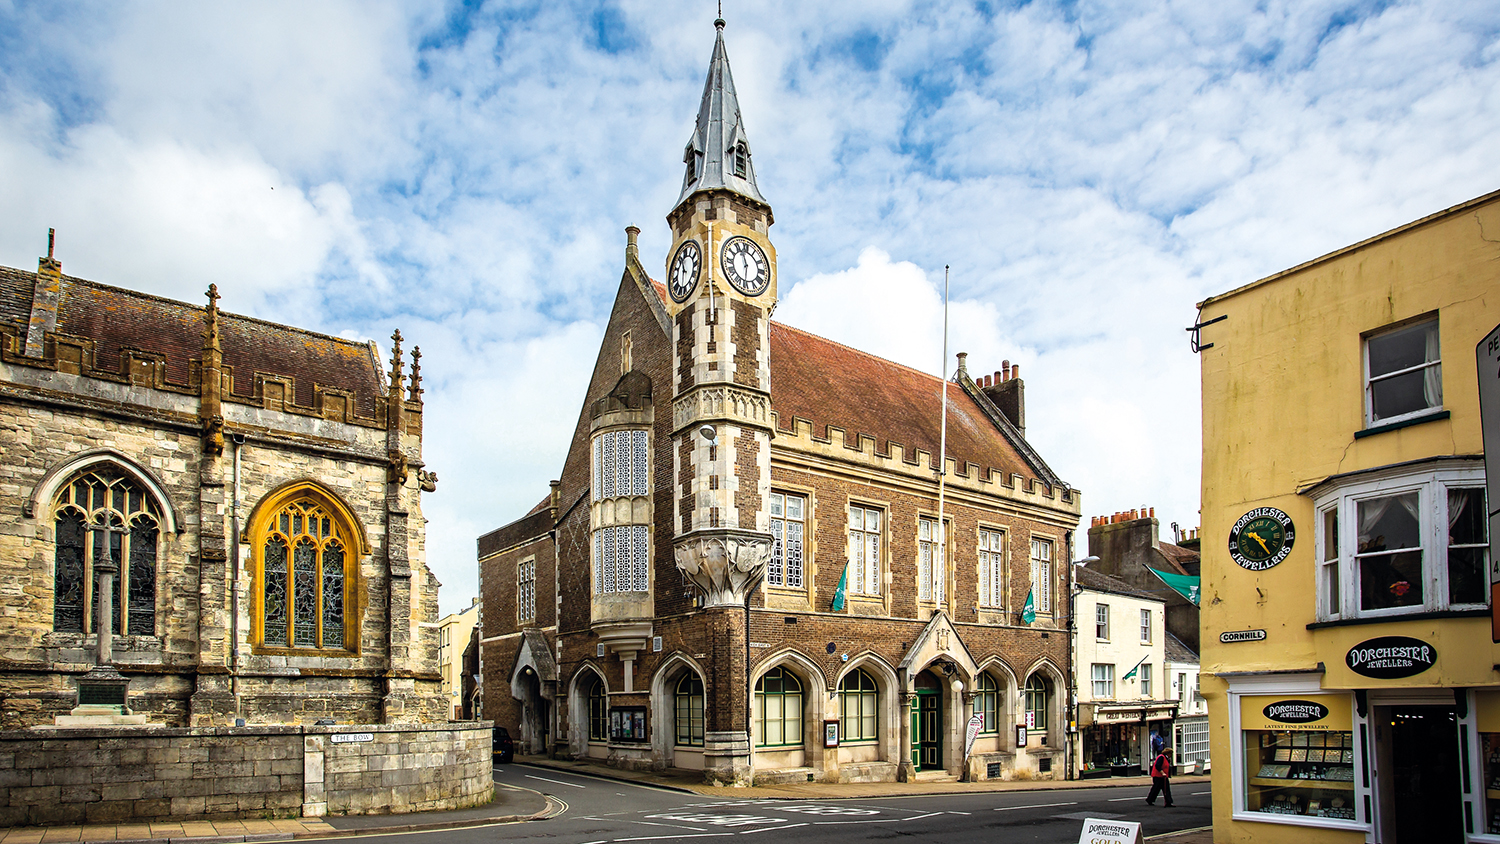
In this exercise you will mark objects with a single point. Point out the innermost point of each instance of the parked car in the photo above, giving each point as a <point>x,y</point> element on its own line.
<point>505,749</point>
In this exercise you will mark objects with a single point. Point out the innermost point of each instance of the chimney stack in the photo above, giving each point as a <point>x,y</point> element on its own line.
<point>1006,390</point>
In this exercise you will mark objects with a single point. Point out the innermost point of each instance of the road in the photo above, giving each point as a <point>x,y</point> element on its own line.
<point>600,811</point>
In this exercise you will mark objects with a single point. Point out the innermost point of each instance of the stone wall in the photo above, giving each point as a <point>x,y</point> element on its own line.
<point>111,775</point>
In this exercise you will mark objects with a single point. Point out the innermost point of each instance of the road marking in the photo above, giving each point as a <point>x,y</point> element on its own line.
<point>559,782</point>
<point>661,837</point>
<point>1121,799</point>
<point>1033,806</point>
<point>1199,793</point>
<point>919,817</point>
<point>770,828</point>
<point>960,813</point>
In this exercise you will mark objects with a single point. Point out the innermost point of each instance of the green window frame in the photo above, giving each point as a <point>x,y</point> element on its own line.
<point>598,711</point>
<point>1038,703</point>
<point>689,711</point>
<point>987,704</point>
<point>778,709</point>
<point>859,698</point>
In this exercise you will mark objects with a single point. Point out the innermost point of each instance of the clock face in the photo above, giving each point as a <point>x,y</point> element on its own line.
<point>1261,538</point>
<point>745,266</point>
<point>682,275</point>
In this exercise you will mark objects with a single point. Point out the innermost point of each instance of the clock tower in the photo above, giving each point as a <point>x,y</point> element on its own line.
<point>721,281</point>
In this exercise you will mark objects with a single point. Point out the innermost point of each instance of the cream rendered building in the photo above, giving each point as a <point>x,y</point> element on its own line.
<point>1347,651</point>
<point>454,631</point>
<point>1119,665</point>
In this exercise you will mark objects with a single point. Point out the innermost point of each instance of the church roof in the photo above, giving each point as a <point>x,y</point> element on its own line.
<point>117,320</point>
<point>708,159</point>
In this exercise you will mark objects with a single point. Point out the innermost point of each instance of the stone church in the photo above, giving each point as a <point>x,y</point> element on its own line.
<point>751,564</point>
<point>250,491</point>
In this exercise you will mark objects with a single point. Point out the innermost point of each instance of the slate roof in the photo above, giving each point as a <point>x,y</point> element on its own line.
<point>1178,651</point>
<point>116,319</point>
<point>1100,582</point>
<point>1176,556</point>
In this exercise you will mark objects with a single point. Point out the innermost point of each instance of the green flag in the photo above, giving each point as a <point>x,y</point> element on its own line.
<point>1028,612</point>
<point>838,594</point>
<point>1131,672</point>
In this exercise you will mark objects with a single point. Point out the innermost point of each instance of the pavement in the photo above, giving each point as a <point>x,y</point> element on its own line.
<point>514,805</point>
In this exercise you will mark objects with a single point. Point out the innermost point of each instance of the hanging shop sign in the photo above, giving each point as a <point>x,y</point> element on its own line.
<point>1229,637</point>
<point>1261,538</point>
<point>1391,657</point>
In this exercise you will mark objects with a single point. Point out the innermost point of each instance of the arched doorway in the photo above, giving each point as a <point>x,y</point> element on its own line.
<point>927,722</point>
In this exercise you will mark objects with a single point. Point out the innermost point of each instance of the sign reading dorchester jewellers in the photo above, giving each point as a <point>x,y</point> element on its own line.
<point>1097,831</point>
<point>1391,657</point>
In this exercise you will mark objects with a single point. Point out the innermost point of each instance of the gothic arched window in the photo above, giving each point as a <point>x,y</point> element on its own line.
<point>778,701</point>
<point>103,514</point>
<point>987,703</point>
<point>858,698</point>
<point>306,571</point>
<point>598,710</point>
<point>1038,705</point>
<point>689,699</point>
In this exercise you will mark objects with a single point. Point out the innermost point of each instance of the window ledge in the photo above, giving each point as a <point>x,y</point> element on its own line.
<point>1404,423</point>
<point>1386,619</point>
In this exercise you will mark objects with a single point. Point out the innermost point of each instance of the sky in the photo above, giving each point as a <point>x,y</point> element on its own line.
<point>464,171</point>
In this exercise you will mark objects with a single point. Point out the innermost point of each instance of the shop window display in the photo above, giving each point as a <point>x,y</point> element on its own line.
<point>1489,749</point>
<point>1290,772</point>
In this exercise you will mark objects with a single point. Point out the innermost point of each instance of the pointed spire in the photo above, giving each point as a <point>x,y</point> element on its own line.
<point>415,394</point>
<point>718,155</point>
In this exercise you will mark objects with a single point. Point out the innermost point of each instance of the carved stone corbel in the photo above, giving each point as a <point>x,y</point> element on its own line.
<point>724,564</point>
<point>397,469</point>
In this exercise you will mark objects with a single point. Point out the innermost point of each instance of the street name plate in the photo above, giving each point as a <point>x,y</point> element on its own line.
<point>1232,636</point>
<point>345,738</point>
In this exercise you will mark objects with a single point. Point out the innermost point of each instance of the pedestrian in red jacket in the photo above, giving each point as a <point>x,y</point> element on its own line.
<point>1161,772</point>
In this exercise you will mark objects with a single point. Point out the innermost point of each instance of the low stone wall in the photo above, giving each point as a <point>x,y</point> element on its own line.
<point>50,775</point>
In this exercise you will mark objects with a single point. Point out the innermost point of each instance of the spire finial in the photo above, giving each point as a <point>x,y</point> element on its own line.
<point>396,376</point>
<point>719,21</point>
<point>211,318</point>
<point>51,242</point>
<point>416,391</point>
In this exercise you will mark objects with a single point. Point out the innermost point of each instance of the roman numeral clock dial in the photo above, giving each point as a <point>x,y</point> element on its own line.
<point>745,266</point>
<point>682,276</point>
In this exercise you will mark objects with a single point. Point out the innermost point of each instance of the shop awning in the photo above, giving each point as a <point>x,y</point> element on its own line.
<point>1182,584</point>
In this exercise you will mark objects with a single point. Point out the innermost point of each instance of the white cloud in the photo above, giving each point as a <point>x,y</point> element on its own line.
<point>1089,171</point>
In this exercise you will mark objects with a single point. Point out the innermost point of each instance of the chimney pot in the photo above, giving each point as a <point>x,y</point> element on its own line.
<point>963,362</point>
<point>631,249</point>
<point>1005,368</point>
<point>1015,371</point>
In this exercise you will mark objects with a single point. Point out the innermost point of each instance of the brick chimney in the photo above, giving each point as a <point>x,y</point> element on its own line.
<point>1008,392</point>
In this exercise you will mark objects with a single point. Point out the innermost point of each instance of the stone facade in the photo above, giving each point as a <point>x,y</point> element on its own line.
<point>673,609</point>
<point>102,776</point>
<point>215,421</point>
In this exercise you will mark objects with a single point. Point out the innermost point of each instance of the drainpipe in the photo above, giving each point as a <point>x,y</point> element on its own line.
<point>1072,709</point>
<point>234,590</point>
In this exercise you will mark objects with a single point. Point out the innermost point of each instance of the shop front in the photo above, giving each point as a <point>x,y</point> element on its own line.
<point>1117,738</point>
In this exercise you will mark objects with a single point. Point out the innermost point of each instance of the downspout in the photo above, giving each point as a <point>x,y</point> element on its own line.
<point>1070,715</point>
<point>238,440</point>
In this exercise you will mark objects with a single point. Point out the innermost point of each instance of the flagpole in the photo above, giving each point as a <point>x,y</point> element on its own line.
<point>941,540</point>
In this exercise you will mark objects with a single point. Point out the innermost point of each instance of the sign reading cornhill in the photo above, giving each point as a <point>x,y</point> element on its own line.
<point>1391,657</point>
<point>1295,711</point>
<point>1229,637</point>
<point>1096,831</point>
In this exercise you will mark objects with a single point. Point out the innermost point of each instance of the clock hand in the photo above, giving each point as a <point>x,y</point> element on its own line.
<point>1255,536</point>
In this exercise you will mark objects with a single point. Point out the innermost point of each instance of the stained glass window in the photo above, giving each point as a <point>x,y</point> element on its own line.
<point>93,511</point>
<point>304,577</point>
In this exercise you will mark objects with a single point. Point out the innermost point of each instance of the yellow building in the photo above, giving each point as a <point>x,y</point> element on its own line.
<point>454,631</point>
<point>1346,649</point>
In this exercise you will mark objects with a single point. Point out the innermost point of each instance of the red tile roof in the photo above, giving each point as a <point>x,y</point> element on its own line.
<point>830,384</point>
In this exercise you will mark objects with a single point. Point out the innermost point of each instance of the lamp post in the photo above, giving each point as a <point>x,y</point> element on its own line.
<point>1072,651</point>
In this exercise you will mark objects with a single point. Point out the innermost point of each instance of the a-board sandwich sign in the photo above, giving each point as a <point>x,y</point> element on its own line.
<point>1098,831</point>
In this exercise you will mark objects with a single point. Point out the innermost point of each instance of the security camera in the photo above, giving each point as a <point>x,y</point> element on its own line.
<point>708,432</point>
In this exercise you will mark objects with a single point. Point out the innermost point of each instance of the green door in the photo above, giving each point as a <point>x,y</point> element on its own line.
<point>927,730</point>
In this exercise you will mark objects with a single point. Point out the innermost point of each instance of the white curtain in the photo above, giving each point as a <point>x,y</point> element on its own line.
<point>1432,376</point>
